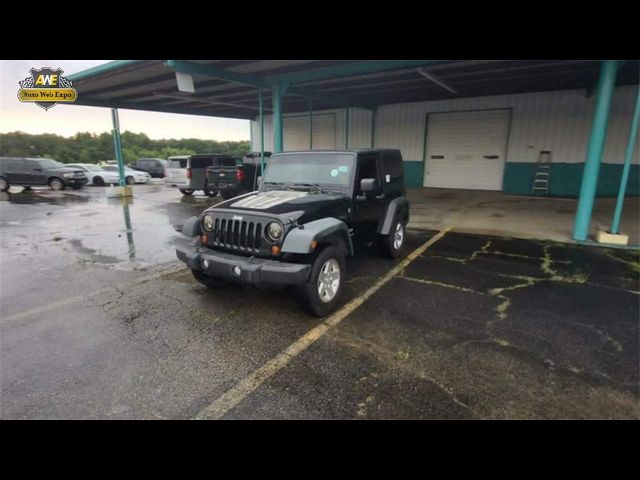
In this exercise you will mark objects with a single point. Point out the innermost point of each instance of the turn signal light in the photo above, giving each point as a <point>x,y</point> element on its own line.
<point>204,239</point>
<point>275,250</point>
<point>314,244</point>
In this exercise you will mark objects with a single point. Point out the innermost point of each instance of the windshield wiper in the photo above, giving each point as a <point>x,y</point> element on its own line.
<point>278,184</point>
<point>311,185</point>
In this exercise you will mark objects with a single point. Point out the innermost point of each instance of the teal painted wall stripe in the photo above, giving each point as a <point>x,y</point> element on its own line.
<point>413,173</point>
<point>564,180</point>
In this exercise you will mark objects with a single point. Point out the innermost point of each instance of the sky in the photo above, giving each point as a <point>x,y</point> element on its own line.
<point>67,120</point>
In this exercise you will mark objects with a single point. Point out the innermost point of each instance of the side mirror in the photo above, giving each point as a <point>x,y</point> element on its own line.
<point>368,185</point>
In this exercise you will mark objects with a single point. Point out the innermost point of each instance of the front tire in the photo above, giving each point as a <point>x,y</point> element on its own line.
<point>391,245</point>
<point>323,289</point>
<point>4,185</point>
<point>212,283</point>
<point>209,192</point>
<point>56,184</point>
<point>186,192</point>
<point>98,180</point>
<point>130,180</point>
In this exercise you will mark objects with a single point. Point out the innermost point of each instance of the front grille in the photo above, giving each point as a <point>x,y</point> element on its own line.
<point>236,234</point>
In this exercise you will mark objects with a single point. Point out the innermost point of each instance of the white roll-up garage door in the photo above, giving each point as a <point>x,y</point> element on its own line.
<point>466,149</point>
<point>296,132</point>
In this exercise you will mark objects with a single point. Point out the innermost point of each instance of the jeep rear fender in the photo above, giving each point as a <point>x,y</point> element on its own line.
<point>398,207</point>
<point>299,239</point>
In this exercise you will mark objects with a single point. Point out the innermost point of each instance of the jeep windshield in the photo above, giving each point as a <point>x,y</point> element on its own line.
<point>291,170</point>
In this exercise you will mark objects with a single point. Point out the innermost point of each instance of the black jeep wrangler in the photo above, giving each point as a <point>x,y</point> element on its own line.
<point>309,212</point>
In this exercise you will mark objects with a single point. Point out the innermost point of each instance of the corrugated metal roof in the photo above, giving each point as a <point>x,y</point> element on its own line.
<point>151,84</point>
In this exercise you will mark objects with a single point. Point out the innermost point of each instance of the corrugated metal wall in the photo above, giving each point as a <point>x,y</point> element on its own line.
<point>558,121</point>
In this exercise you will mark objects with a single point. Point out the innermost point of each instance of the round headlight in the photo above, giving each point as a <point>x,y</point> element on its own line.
<point>207,222</point>
<point>274,231</point>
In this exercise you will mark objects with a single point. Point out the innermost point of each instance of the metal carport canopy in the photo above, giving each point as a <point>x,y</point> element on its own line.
<point>229,88</point>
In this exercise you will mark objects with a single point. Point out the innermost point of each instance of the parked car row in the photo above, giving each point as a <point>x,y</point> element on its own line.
<point>212,173</point>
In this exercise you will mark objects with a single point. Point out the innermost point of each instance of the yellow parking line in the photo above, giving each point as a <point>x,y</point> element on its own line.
<point>241,390</point>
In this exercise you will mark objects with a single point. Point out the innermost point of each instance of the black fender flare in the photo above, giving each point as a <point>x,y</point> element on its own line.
<point>299,240</point>
<point>397,207</point>
<point>191,227</point>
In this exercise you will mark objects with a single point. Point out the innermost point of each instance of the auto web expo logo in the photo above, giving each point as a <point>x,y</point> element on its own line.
<point>46,87</point>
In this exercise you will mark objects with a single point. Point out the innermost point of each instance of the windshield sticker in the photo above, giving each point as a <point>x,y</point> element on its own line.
<point>343,169</point>
<point>334,172</point>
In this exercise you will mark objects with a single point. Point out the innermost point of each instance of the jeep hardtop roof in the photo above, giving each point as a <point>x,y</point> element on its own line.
<point>356,151</point>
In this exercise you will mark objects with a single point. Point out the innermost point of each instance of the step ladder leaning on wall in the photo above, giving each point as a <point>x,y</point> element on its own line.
<point>541,176</point>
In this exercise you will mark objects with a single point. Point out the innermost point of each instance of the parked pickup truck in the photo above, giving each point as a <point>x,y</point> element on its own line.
<point>312,210</point>
<point>235,180</point>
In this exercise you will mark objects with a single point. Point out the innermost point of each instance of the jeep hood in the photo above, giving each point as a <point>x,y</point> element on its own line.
<point>305,205</point>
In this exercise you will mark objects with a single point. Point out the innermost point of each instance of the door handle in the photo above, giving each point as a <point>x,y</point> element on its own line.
<point>37,169</point>
<point>380,197</point>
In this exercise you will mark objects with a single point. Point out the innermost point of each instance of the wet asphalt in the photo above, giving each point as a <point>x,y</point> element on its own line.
<point>99,320</point>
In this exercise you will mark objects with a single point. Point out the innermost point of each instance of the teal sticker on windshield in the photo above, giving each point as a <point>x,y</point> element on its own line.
<point>334,172</point>
<point>344,169</point>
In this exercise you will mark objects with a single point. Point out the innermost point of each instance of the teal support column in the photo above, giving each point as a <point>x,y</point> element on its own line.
<point>251,136</point>
<point>278,90</point>
<point>346,130</point>
<point>631,145</point>
<point>261,120</point>
<point>117,146</point>
<point>606,85</point>
<point>310,124</point>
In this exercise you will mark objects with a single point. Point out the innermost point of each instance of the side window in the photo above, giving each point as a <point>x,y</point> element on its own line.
<point>367,168</point>
<point>15,166</point>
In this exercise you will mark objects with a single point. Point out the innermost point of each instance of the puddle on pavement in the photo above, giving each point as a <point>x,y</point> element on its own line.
<point>31,197</point>
<point>133,233</point>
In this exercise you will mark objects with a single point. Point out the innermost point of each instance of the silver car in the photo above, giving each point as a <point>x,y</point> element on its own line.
<point>97,175</point>
<point>131,176</point>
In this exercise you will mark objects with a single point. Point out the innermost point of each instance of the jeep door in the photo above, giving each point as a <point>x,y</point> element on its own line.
<point>367,205</point>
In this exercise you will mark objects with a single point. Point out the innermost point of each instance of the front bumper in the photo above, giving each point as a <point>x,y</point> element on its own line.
<point>254,271</point>
<point>76,181</point>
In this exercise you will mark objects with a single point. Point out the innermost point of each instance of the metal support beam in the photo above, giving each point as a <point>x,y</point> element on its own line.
<point>373,127</point>
<point>196,99</point>
<point>346,129</point>
<point>117,146</point>
<point>633,135</point>
<point>440,83</point>
<point>100,69</point>
<point>277,91</point>
<point>214,72</point>
<point>310,124</point>
<point>606,85</point>
<point>261,119</point>
<point>348,69</point>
